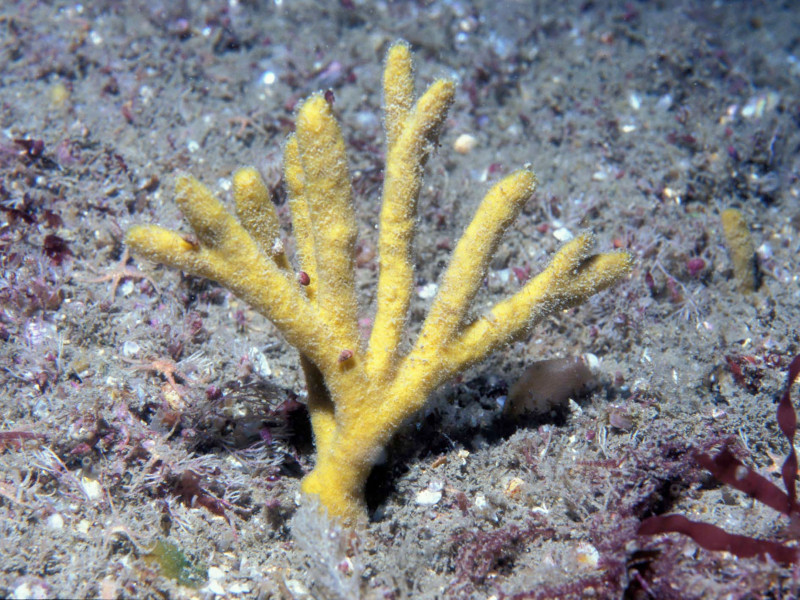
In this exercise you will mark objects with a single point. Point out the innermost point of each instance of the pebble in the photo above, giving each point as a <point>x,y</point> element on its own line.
<point>465,143</point>
<point>562,234</point>
<point>427,291</point>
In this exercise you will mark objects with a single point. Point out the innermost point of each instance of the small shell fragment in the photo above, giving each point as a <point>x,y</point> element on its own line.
<point>562,234</point>
<point>91,488</point>
<point>465,143</point>
<point>427,291</point>
<point>431,494</point>
<point>260,363</point>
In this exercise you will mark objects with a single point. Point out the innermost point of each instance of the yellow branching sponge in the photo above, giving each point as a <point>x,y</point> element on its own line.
<point>361,391</point>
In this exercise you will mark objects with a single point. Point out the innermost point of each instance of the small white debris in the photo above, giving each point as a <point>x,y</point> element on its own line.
<point>268,77</point>
<point>55,521</point>
<point>574,407</point>
<point>599,176</point>
<point>215,573</point>
<point>192,146</point>
<point>465,143</point>
<point>91,488</point>
<point>664,103</point>
<point>634,100</point>
<point>215,587</point>
<point>83,526</point>
<point>760,104</point>
<point>238,588</point>
<point>764,251</point>
<point>366,119</point>
<point>628,128</point>
<point>484,509</point>
<point>542,509</point>
<point>146,94</point>
<point>126,288</point>
<point>427,291</point>
<point>503,275</point>
<point>296,588</point>
<point>751,108</point>
<point>260,363</point>
<point>130,349</point>
<point>430,495</point>
<point>562,234</point>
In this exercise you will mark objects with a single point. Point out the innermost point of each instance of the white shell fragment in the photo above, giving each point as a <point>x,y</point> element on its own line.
<point>465,143</point>
<point>430,495</point>
<point>427,291</point>
<point>260,363</point>
<point>562,234</point>
<point>91,488</point>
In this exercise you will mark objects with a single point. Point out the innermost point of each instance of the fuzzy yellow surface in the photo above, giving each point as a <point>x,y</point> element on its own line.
<point>326,188</point>
<point>741,249</point>
<point>361,392</point>
<point>411,128</point>
<point>471,258</point>
<point>398,91</point>
<point>301,215</point>
<point>257,214</point>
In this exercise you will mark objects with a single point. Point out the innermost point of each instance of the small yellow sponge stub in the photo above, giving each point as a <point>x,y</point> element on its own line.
<point>741,250</point>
